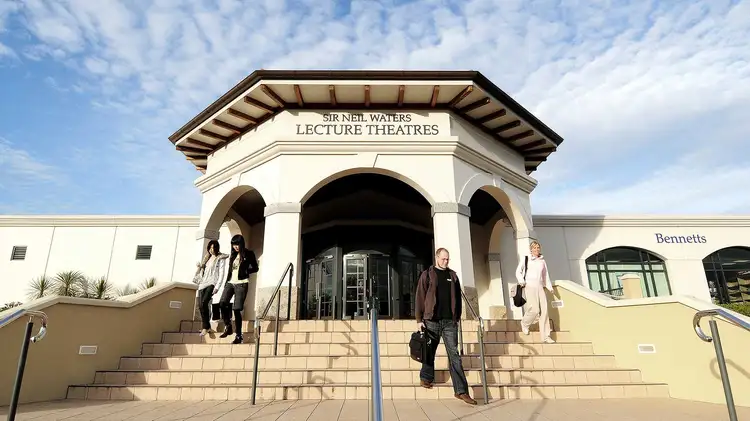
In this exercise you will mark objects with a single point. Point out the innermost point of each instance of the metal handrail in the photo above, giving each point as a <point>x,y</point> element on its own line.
<point>718,348</point>
<point>480,334</point>
<point>376,404</point>
<point>289,270</point>
<point>27,338</point>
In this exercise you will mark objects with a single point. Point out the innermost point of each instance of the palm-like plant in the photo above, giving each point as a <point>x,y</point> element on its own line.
<point>67,284</point>
<point>8,306</point>
<point>40,287</point>
<point>148,283</point>
<point>126,290</point>
<point>99,289</point>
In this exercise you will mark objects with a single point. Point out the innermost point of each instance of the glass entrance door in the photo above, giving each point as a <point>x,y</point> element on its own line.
<point>359,270</point>
<point>321,291</point>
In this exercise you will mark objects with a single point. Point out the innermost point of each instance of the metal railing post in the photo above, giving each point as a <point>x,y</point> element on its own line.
<point>723,369</point>
<point>460,338</point>
<point>480,332</point>
<point>376,406</point>
<point>276,326</point>
<point>730,318</point>
<point>19,374</point>
<point>256,358</point>
<point>258,331</point>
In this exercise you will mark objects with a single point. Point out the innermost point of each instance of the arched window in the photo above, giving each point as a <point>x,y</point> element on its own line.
<point>728,275</point>
<point>605,268</point>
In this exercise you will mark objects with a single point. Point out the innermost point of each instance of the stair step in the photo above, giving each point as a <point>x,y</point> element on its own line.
<point>346,376</point>
<point>393,348</point>
<point>215,362</point>
<point>352,337</point>
<point>355,325</point>
<point>362,391</point>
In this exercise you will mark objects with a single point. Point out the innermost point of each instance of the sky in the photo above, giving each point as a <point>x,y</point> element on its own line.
<point>652,97</point>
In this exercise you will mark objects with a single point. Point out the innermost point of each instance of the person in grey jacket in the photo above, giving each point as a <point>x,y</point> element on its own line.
<point>210,272</point>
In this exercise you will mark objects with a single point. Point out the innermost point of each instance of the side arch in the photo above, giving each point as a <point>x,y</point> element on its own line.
<point>520,220</point>
<point>224,206</point>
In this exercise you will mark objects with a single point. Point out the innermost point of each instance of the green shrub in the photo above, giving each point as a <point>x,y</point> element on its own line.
<point>742,308</point>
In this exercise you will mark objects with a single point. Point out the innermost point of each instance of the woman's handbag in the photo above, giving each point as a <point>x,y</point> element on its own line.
<point>518,299</point>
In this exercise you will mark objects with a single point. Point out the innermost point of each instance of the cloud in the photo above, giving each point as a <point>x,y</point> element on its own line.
<point>19,166</point>
<point>633,87</point>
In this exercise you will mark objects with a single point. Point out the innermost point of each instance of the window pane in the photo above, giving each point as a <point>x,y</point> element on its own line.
<point>618,261</point>
<point>660,284</point>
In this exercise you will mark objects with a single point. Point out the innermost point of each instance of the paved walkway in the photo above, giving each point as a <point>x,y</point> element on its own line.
<point>398,410</point>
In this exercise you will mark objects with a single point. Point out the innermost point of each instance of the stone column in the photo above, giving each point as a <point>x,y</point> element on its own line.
<point>452,231</point>
<point>498,291</point>
<point>281,245</point>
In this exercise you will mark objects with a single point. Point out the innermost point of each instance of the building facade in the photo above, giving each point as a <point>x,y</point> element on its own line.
<point>355,178</point>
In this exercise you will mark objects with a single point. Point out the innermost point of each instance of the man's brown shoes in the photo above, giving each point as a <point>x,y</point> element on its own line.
<point>425,384</point>
<point>466,398</point>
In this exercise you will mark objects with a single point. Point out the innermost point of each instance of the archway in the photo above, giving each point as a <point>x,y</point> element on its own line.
<point>363,234</point>
<point>493,244</point>
<point>728,275</point>
<point>240,211</point>
<point>605,268</point>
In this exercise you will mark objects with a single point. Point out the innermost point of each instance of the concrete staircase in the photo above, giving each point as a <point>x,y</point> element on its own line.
<point>330,360</point>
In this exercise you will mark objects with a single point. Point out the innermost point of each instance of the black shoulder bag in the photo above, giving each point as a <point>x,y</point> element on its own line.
<point>518,299</point>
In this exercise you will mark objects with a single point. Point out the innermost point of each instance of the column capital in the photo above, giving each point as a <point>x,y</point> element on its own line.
<point>530,234</point>
<point>451,207</point>
<point>207,234</point>
<point>282,207</point>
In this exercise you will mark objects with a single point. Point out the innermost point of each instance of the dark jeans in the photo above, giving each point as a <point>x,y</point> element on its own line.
<point>239,291</point>
<point>448,330</point>
<point>204,300</point>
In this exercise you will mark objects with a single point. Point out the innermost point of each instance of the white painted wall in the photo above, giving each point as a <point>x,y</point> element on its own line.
<point>94,247</point>
<point>98,246</point>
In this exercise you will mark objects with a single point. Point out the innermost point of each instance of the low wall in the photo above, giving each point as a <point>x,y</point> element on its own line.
<point>117,328</point>
<point>683,361</point>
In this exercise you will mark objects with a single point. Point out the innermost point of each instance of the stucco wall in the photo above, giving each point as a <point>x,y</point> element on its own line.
<point>97,247</point>
<point>569,241</point>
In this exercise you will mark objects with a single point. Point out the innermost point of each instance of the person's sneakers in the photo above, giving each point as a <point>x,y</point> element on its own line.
<point>227,331</point>
<point>525,330</point>
<point>549,340</point>
<point>204,332</point>
<point>238,339</point>
<point>425,384</point>
<point>466,398</point>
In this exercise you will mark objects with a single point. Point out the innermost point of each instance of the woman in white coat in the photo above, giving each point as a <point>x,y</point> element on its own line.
<point>533,277</point>
<point>210,272</point>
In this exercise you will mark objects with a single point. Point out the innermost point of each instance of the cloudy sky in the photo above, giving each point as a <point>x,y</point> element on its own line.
<point>652,98</point>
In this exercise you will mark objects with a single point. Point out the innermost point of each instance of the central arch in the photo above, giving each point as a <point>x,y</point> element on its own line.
<point>363,233</point>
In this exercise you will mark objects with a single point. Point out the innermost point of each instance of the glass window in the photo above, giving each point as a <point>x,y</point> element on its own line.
<point>728,275</point>
<point>605,268</point>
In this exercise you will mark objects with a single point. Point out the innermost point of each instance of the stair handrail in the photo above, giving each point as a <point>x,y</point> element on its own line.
<point>731,318</point>
<point>290,271</point>
<point>27,338</point>
<point>376,387</point>
<point>480,335</point>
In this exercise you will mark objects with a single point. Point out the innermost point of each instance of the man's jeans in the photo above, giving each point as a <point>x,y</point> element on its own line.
<point>448,330</point>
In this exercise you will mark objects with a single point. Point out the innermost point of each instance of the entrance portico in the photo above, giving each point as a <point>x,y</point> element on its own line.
<point>356,178</point>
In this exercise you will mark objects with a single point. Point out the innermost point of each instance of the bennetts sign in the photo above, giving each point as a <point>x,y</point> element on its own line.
<point>367,124</point>
<point>680,239</point>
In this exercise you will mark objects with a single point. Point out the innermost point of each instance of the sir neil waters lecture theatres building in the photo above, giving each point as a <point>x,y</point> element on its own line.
<point>355,176</point>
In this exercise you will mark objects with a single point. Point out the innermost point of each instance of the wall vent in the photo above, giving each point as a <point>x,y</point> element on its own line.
<point>87,349</point>
<point>18,253</point>
<point>175,304</point>
<point>143,252</point>
<point>557,304</point>
<point>647,349</point>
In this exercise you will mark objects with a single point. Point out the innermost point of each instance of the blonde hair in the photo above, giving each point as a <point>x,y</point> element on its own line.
<point>534,243</point>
